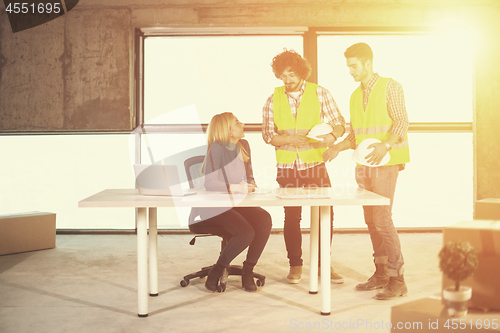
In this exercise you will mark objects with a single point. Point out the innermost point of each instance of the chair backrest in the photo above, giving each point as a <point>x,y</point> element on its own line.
<point>196,179</point>
<point>193,171</point>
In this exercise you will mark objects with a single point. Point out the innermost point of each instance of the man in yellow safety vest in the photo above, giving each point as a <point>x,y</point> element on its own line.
<point>378,111</point>
<point>288,115</point>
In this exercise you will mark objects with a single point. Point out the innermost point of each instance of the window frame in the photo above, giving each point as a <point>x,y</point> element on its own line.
<point>310,43</point>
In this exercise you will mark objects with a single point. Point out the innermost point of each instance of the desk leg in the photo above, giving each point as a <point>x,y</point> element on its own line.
<point>153,252</point>
<point>325,260</point>
<point>313,239</point>
<point>142,262</point>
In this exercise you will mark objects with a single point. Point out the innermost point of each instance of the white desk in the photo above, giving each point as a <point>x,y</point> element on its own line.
<point>319,212</point>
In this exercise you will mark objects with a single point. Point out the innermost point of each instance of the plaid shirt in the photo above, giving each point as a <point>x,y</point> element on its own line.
<point>395,107</point>
<point>329,112</point>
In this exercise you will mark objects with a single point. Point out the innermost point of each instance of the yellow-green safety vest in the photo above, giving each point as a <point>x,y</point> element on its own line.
<point>308,115</point>
<point>374,122</point>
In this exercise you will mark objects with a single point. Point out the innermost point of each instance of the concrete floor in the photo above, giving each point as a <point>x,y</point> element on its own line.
<point>88,283</point>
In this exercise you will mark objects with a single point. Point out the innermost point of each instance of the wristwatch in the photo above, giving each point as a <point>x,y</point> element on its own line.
<point>388,146</point>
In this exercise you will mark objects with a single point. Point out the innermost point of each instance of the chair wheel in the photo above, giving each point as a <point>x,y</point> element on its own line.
<point>260,282</point>
<point>184,283</point>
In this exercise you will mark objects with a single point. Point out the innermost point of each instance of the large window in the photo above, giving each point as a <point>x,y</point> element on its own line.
<point>205,75</point>
<point>436,72</point>
<point>188,79</point>
<point>434,69</point>
<point>51,173</point>
<point>214,73</point>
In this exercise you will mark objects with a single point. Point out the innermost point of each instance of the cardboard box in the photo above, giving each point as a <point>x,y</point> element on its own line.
<point>27,232</point>
<point>487,209</point>
<point>430,315</point>
<point>484,236</point>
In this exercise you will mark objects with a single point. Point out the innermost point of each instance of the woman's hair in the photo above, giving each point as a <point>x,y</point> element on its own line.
<point>291,59</point>
<point>219,130</point>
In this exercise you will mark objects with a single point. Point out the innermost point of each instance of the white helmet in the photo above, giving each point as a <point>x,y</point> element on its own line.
<point>359,155</point>
<point>320,129</point>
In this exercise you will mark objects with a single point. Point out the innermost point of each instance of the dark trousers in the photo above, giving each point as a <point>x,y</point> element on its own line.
<point>313,177</point>
<point>246,226</point>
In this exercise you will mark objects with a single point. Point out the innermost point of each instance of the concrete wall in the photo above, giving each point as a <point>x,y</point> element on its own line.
<point>487,113</point>
<point>55,76</point>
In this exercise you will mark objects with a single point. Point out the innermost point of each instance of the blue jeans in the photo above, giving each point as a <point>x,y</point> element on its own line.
<point>385,239</point>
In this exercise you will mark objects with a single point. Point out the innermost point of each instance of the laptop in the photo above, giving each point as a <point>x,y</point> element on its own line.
<point>157,179</point>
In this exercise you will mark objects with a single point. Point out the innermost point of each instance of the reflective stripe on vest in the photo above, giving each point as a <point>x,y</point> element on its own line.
<point>308,115</point>
<point>374,122</point>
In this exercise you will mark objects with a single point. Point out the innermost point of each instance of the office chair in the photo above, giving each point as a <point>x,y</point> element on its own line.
<point>195,177</point>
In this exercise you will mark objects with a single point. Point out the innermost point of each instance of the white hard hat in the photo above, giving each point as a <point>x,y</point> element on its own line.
<point>359,155</point>
<point>320,129</point>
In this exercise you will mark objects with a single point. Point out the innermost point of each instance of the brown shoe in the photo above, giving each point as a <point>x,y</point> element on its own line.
<point>295,274</point>
<point>378,280</point>
<point>336,278</point>
<point>394,289</point>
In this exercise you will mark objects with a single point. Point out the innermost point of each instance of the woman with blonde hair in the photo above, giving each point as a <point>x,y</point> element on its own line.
<point>228,169</point>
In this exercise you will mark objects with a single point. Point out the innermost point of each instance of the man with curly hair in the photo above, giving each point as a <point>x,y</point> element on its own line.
<point>288,115</point>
